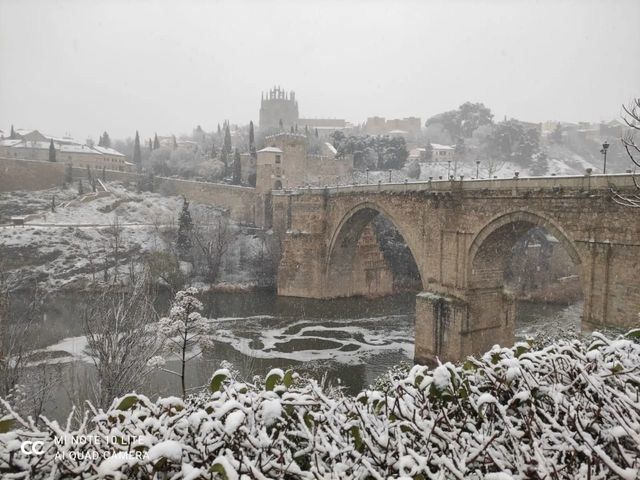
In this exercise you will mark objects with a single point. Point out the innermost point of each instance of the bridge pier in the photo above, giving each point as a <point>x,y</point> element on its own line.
<point>449,328</point>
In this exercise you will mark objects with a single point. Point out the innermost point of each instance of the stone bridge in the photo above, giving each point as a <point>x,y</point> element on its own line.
<point>460,234</point>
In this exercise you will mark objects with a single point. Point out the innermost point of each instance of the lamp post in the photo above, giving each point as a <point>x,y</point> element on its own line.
<point>477,169</point>
<point>367,173</point>
<point>449,168</point>
<point>389,175</point>
<point>605,146</point>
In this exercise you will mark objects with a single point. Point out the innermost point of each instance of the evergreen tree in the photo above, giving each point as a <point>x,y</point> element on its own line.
<point>306,130</point>
<point>214,151</point>
<point>156,142</point>
<point>13,133</point>
<point>185,226</point>
<point>80,187</point>
<point>251,134</point>
<point>174,142</point>
<point>106,141</point>
<point>291,130</point>
<point>317,133</point>
<point>226,146</point>
<point>281,125</point>
<point>100,141</point>
<point>104,174</point>
<point>219,130</point>
<point>52,151</point>
<point>137,155</point>
<point>237,168</point>
<point>252,142</point>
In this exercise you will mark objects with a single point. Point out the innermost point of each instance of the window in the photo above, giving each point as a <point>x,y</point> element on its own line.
<point>277,158</point>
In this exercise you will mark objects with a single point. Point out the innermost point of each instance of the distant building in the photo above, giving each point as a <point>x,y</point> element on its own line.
<point>440,153</point>
<point>33,145</point>
<point>285,163</point>
<point>279,112</point>
<point>278,107</point>
<point>409,126</point>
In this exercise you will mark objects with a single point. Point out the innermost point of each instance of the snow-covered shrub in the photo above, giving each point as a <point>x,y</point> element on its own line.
<point>568,411</point>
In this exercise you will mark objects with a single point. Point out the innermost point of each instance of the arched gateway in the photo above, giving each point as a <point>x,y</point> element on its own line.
<point>460,235</point>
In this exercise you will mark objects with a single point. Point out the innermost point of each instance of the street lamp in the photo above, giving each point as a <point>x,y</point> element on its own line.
<point>389,175</point>
<point>477,169</point>
<point>367,173</point>
<point>448,168</point>
<point>605,146</point>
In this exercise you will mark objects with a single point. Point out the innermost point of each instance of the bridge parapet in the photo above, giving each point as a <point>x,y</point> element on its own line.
<point>620,181</point>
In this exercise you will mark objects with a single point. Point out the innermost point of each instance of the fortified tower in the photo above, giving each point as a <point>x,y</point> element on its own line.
<point>278,105</point>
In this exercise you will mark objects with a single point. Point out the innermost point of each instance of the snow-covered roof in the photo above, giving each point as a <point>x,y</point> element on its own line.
<point>108,151</point>
<point>330,147</point>
<point>77,149</point>
<point>437,146</point>
<point>7,142</point>
<point>270,150</point>
<point>398,132</point>
<point>60,146</point>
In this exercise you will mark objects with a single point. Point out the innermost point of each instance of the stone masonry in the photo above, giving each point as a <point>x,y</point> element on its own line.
<point>460,234</point>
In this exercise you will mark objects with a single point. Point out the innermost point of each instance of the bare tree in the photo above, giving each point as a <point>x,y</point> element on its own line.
<point>211,238</point>
<point>120,340</point>
<point>114,233</point>
<point>27,386</point>
<point>632,119</point>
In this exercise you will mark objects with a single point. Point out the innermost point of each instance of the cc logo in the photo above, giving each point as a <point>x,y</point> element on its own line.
<point>32,448</point>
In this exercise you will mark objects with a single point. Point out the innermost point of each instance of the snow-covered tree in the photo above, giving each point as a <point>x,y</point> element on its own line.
<point>185,330</point>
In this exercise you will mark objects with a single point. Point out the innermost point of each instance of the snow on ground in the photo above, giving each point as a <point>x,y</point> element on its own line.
<point>68,247</point>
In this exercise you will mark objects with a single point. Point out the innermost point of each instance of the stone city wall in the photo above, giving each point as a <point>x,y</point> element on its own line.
<point>240,201</point>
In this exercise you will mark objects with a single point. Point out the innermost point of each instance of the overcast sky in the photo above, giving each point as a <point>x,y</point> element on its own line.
<point>82,67</point>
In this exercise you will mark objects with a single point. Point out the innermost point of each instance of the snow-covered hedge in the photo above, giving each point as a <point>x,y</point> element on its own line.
<point>570,410</point>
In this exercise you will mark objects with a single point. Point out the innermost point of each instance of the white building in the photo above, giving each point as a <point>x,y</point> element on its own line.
<point>33,145</point>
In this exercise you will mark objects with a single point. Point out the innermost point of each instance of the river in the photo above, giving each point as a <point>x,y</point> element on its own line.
<point>349,341</point>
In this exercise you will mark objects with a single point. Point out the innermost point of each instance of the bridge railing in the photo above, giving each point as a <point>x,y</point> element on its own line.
<point>573,182</point>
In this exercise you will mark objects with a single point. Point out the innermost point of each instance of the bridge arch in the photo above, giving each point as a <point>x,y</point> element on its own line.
<point>491,246</point>
<point>344,240</point>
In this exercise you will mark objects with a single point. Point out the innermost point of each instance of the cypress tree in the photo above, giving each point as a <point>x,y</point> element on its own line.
<point>52,151</point>
<point>80,188</point>
<point>137,155</point>
<point>252,142</point>
<point>281,125</point>
<point>237,168</point>
<point>175,143</point>
<point>100,142</point>
<point>106,140</point>
<point>226,146</point>
<point>156,142</point>
<point>291,128</point>
<point>185,225</point>
<point>316,133</point>
<point>13,133</point>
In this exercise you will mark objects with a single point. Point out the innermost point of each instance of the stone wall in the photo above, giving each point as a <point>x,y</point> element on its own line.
<point>460,234</point>
<point>38,175</point>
